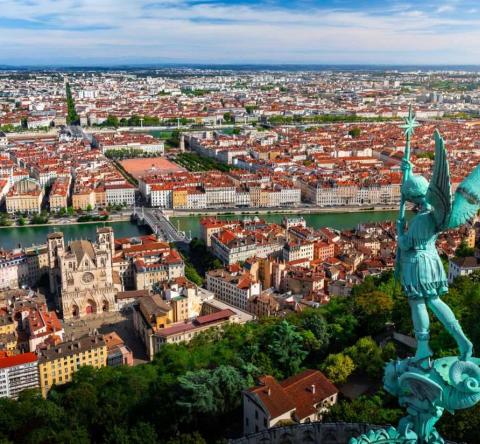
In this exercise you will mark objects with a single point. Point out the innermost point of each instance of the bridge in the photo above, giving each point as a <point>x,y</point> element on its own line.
<point>160,224</point>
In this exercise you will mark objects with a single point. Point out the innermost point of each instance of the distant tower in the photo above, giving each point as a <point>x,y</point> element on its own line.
<point>182,142</point>
<point>105,239</point>
<point>55,246</point>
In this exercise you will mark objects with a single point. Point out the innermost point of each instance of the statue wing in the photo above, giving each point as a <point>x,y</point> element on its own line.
<point>439,193</point>
<point>467,199</point>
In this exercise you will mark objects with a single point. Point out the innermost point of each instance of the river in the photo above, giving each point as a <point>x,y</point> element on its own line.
<point>12,237</point>
<point>26,236</point>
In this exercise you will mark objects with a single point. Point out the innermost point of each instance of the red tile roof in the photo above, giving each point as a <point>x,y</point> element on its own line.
<point>12,361</point>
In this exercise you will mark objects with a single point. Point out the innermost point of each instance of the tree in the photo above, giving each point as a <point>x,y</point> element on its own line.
<point>373,309</point>
<point>211,392</point>
<point>464,250</point>
<point>338,367</point>
<point>354,133</point>
<point>367,357</point>
<point>112,121</point>
<point>228,117</point>
<point>286,348</point>
<point>372,410</point>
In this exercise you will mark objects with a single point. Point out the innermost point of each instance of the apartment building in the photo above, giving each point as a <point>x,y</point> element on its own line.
<point>25,197</point>
<point>296,250</point>
<point>57,364</point>
<point>234,288</point>
<point>59,193</point>
<point>18,373</point>
<point>120,194</point>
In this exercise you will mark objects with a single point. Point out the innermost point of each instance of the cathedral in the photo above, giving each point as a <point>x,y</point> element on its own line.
<point>81,274</point>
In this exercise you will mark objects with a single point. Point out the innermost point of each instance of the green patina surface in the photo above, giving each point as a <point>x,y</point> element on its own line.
<point>426,387</point>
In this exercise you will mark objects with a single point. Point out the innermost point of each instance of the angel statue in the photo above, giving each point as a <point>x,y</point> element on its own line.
<point>421,271</point>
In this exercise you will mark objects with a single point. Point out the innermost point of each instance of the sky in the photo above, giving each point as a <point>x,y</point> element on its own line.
<point>109,32</point>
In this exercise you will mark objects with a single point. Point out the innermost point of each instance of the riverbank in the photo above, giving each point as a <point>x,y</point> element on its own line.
<point>339,220</point>
<point>63,222</point>
<point>276,210</point>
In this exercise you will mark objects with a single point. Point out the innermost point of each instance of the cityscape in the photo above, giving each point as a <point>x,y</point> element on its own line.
<point>239,244</point>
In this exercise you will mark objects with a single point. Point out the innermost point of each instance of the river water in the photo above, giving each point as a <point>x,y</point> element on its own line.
<point>12,237</point>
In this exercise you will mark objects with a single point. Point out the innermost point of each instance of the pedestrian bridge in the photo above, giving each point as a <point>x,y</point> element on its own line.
<point>160,224</point>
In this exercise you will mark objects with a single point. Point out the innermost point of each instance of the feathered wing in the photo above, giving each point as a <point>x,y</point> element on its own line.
<point>467,199</point>
<point>439,193</point>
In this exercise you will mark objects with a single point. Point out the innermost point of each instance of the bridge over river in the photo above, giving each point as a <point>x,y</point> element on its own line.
<point>160,224</point>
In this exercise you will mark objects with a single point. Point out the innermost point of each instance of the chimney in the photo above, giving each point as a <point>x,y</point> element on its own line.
<point>313,388</point>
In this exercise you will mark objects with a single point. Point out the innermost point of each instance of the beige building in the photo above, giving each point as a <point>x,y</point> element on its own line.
<point>58,364</point>
<point>25,197</point>
<point>84,199</point>
<point>58,197</point>
<point>81,274</point>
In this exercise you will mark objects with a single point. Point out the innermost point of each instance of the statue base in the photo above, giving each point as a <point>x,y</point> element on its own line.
<point>426,389</point>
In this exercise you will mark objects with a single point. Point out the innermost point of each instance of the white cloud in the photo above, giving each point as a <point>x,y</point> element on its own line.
<point>173,30</point>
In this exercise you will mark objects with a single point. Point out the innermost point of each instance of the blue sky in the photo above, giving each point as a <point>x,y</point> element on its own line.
<point>239,31</point>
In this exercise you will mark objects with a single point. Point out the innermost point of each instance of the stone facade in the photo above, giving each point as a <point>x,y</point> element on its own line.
<point>81,274</point>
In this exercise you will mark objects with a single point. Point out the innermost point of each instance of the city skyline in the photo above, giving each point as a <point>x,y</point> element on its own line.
<point>107,32</point>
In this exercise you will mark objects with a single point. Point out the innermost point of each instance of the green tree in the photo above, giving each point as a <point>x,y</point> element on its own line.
<point>338,367</point>
<point>464,250</point>
<point>286,348</point>
<point>112,121</point>
<point>372,410</point>
<point>373,310</point>
<point>367,357</point>
<point>355,132</point>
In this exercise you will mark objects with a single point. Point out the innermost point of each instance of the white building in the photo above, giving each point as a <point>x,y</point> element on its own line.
<point>462,266</point>
<point>18,373</point>
<point>121,194</point>
<point>233,288</point>
<point>295,250</point>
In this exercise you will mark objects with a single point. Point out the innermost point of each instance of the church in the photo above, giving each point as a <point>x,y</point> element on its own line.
<point>81,275</point>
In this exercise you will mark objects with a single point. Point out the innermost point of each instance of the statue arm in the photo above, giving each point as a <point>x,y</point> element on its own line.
<point>404,242</point>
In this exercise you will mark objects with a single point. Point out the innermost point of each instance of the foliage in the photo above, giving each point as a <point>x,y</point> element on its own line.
<point>286,349</point>
<point>197,385</point>
<point>373,410</point>
<point>72,117</point>
<point>5,220</point>
<point>194,162</point>
<point>464,250</point>
<point>126,153</point>
<point>324,118</point>
<point>355,132</point>
<point>39,219</point>
<point>338,367</point>
<point>92,218</point>
<point>373,309</point>
<point>228,117</point>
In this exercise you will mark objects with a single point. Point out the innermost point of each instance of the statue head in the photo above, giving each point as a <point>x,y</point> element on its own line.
<point>415,189</point>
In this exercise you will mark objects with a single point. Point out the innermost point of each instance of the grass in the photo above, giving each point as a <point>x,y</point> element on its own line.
<point>194,162</point>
